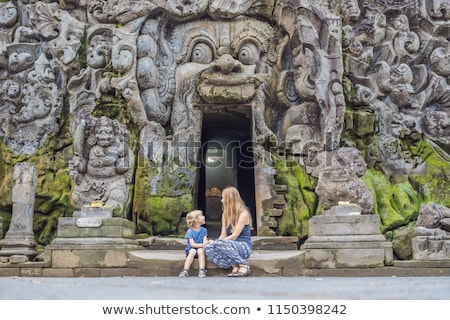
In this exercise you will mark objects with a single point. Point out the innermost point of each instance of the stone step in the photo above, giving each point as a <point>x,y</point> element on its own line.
<point>280,188</point>
<point>258,243</point>
<point>170,263</point>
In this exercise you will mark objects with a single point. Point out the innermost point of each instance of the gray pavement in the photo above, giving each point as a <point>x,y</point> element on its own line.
<point>223,288</point>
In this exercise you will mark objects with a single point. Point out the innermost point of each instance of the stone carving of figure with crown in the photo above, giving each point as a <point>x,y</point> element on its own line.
<point>102,164</point>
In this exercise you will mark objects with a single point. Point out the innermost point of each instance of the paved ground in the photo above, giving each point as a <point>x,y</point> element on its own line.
<point>223,288</point>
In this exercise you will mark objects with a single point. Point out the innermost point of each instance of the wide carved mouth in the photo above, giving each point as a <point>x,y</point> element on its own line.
<point>214,88</point>
<point>228,80</point>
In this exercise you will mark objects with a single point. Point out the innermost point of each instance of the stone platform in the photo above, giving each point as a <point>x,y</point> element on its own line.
<point>164,257</point>
<point>346,241</point>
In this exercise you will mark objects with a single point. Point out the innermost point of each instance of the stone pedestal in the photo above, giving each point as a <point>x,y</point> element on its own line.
<point>91,239</point>
<point>346,240</point>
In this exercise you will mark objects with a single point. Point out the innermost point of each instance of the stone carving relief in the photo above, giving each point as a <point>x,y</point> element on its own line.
<point>38,50</point>
<point>438,9</point>
<point>432,241</point>
<point>338,174</point>
<point>31,100</point>
<point>101,166</point>
<point>293,67</point>
<point>317,77</point>
<point>397,65</point>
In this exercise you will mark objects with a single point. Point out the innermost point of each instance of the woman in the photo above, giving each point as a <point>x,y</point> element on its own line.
<point>234,244</point>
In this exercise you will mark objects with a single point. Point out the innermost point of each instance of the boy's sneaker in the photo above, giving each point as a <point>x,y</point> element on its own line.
<point>202,273</point>
<point>184,274</point>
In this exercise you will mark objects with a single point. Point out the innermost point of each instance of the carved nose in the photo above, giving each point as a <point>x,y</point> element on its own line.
<point>227,64</point>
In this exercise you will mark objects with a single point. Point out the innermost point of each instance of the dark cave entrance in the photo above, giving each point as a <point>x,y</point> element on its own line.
<point>227,160</point>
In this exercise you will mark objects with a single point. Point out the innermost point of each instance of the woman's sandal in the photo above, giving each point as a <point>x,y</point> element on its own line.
<point>234,271</point>
<point>245,273</point>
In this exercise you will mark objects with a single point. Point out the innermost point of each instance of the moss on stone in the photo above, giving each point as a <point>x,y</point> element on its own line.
<point>301,200</point>
<point>384,192</point>
<point>164,214</point>
<point>433,184</point>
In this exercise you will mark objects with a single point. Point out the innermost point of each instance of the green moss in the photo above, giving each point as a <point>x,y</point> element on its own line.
<point>396,204</point>
<point>381,190</point>
<point>300,197</point>
<point>163,214</point>
<point>433,184</point>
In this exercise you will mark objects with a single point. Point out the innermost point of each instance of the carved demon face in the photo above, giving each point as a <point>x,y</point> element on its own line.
<point>234,58</point>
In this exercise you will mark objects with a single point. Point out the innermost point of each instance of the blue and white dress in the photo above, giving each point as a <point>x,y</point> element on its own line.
<point>227,253</point>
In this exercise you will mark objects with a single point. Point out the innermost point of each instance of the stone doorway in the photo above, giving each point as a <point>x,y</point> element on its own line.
<point>227,160</point>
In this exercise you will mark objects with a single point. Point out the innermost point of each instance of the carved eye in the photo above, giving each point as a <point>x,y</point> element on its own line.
<point>202,53</point>
<point>248,54</point>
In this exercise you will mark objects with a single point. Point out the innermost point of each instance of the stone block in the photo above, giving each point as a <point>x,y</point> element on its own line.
<point>274,243</point>
<point>346,241</point>
<point>110,228</point>
<point>18,259</point>
<point>31,272</point>
<point>86,272</point>
<point>58,272</point>
<point>344,225</point>
<point>345,258</point>
<point>89,258</point>
<point>9,272</point>
<point>94,212</point>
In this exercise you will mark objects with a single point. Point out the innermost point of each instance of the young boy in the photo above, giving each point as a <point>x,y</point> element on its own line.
<point>197,238</point>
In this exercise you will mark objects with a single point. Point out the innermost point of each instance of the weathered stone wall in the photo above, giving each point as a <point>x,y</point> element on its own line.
<point>311,75</point>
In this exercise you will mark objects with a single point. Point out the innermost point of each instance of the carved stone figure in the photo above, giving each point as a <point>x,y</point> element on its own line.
<point>236,66</point>
<point>338,174</point>
<point>432,241</point>
<point>19,239</point>
<point>433,216</point>
<point>101,166</point>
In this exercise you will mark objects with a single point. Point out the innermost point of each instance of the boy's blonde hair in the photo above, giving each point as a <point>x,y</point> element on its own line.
<point>192,216</point>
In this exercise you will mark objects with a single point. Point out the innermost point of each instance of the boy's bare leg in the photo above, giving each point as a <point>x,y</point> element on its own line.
<point>201,259</point>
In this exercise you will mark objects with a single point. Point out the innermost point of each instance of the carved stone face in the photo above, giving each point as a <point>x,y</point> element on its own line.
<point>234,56</point>
<point>105,135</point>
<point>440,61</point>
<point>8,14</point>
<point>99,52</point>
<point>65,47</point>
<point>37,107</point>
<point>19,61</point>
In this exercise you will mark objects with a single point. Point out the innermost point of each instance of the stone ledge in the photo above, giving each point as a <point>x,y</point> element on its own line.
<point>263,263</point>
<point>258,243</point>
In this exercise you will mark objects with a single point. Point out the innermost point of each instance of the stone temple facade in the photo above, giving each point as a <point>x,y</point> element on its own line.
<point>152,107</point>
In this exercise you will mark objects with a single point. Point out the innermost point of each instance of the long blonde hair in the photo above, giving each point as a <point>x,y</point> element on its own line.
<point>233,205</point>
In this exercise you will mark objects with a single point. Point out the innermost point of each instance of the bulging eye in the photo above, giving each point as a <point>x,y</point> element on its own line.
<point>202,53</point>
<point>248,54</point>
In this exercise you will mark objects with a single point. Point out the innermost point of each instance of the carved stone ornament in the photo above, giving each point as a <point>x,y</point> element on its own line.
<point>307,78</point>
<point>101,166</point>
